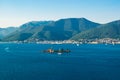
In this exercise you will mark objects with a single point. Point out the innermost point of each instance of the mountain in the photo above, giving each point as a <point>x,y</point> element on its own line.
<point>26,30</point>
<point>109,30</point>
<point>6,31</point>
<point>62,29</point>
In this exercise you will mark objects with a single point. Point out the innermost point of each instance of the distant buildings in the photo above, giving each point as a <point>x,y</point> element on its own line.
<point>81,41</point>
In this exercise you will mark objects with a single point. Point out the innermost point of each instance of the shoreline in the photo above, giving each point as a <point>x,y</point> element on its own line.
<point>63,42</point>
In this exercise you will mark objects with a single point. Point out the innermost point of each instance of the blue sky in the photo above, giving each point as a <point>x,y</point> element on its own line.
<point>17,12</point>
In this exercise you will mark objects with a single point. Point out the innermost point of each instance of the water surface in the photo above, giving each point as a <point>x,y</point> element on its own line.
<point>85,62</point>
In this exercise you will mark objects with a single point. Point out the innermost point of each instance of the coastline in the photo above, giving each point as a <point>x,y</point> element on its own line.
<point>81,41</point>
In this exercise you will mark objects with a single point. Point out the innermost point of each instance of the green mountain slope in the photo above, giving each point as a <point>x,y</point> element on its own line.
<point>109,30</point>
<point>62,29</point>
<point>26,30</point>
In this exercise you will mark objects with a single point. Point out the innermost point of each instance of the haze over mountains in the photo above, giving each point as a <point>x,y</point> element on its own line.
<point>64,29</point>
<point>6,31</point>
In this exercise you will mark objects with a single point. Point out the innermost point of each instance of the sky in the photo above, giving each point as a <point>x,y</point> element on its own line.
<point>18,12</point>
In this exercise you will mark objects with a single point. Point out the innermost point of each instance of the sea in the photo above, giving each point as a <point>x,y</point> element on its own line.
<point>84,62</point>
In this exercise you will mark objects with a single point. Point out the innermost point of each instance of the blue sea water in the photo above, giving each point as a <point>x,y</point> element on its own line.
<point>85,62</point>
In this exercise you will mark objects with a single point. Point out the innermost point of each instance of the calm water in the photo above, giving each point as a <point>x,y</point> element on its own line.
<point>85,62</point>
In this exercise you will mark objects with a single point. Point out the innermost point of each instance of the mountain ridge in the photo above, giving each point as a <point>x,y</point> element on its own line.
<point>108,30</point>
<point>62,29</point>
<point>6,31</point>
<point>65,29</point>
